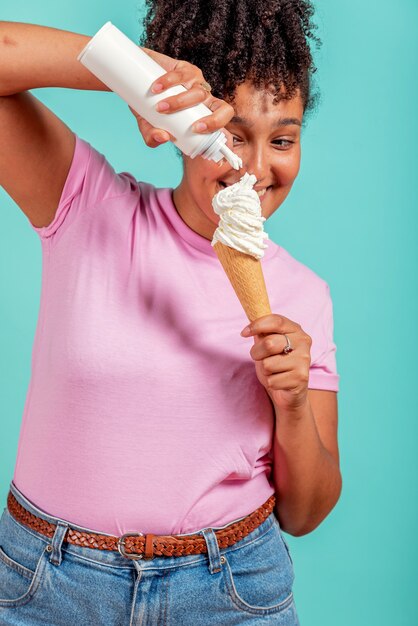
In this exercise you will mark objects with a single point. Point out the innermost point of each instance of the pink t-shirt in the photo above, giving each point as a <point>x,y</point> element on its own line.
<point>144,411</point>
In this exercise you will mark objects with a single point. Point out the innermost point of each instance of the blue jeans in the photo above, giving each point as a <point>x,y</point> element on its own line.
<point>50,582</point>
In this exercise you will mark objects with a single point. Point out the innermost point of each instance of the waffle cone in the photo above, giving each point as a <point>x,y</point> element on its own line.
<point>245,274</point>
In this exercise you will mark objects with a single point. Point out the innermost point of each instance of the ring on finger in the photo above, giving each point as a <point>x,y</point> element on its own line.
<point>288,348</point>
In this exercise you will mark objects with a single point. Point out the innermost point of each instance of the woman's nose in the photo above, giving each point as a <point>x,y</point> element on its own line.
<point>255,161</point>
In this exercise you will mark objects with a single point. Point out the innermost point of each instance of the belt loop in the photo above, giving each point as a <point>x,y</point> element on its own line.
<point>55,546</point>
<point>213,550</point>
<point>149,546</point>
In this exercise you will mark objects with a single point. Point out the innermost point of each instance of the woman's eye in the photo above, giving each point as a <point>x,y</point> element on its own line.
<point>284,143</point>
<point>235,139</point>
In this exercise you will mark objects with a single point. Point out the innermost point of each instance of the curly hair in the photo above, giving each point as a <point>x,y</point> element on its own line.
<point>266,42</point>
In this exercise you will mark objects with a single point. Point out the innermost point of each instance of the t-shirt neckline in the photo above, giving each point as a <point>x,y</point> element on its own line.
<point>192,237</point>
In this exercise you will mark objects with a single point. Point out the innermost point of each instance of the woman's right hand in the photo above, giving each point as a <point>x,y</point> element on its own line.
<point>190,76</point>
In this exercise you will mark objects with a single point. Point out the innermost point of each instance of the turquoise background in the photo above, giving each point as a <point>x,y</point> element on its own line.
<point>351,217</point>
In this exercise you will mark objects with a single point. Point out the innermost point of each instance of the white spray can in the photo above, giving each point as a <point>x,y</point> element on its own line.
<point>129,71</point>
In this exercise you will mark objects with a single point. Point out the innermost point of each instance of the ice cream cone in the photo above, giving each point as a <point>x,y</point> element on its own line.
<point>245,274</point>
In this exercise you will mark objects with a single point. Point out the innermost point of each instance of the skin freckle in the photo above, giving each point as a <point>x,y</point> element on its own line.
<point>8,41</point>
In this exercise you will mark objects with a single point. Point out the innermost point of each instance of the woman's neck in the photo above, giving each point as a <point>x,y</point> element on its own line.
<point>190,212</point>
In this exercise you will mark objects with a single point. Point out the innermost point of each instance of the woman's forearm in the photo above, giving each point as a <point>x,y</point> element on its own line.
<point>306,477</point>
<point>34,56</point>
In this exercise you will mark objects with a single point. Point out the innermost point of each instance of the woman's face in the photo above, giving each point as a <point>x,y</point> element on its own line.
<point>267,138</point>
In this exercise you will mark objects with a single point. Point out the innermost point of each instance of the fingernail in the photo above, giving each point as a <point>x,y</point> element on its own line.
<point>200,126</point>
<point>162,106</point>
<point>157,87</point>
<point>246,331</point>
<point>159,138</point>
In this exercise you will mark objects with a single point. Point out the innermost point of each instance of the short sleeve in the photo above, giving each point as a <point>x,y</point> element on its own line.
<point>90,179</point>
<point>323,371</point>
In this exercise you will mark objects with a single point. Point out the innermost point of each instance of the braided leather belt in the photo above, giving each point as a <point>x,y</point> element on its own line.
<point>136,545</point>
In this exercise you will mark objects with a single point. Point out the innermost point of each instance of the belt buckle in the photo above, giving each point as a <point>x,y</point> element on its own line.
<point>121,546</point>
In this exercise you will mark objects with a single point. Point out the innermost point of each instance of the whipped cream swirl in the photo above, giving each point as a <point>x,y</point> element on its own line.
<point>241,222</point>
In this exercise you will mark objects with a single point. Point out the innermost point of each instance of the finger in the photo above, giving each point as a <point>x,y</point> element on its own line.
<point>158,137</point>
<point>185,74</point>
<point>271,345</point>
<point>152,136</point>
<point>195,95</point>
<point>271,324</point>
<point>276,365</point>
<point>222,114</point>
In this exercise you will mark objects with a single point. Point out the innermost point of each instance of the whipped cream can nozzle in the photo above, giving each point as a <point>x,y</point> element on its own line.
<point>231,157</point>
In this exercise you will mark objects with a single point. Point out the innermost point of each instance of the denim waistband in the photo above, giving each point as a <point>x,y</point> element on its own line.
<point>114,558</point>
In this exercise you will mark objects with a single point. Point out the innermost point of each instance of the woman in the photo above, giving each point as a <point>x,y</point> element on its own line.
<point>161,457</point>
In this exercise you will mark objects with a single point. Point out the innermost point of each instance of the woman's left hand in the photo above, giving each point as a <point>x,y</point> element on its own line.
<point>285,376</point>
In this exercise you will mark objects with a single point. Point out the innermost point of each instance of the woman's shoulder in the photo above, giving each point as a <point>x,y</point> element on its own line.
<point>297,270</point>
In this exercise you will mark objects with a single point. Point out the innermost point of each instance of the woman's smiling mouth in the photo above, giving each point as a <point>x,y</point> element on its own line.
<point>261,192</point>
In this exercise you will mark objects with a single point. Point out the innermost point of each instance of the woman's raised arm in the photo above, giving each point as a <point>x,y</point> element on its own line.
<point>36,146</point>
<point>34,56</point>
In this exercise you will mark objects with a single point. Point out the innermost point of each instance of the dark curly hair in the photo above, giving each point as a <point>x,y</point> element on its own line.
<point>265,41</point>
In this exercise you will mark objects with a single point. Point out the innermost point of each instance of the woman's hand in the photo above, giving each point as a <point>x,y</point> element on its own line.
<point>285,376</point>
<point>191,77</point>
